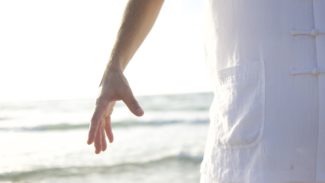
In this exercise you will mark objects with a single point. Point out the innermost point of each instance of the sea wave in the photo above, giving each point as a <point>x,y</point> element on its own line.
<point>122,124</point>
<point>4,118</point>
<point>182,158</point>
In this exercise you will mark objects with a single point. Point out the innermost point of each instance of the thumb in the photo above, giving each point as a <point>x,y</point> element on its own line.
<point>132,104</point>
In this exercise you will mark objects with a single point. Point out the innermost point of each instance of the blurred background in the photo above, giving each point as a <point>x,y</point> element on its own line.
<point>52,56</point>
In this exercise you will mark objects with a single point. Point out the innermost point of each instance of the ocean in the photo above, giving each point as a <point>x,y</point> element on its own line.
<point>45,141</point>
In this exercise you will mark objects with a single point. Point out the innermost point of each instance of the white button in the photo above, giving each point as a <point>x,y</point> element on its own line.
<point>313,32</point>
<point>315,71</point>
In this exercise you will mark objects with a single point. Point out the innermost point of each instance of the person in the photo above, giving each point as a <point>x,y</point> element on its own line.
<point>267,59</point>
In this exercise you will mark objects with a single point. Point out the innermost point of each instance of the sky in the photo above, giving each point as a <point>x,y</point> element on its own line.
<point>59,49</point>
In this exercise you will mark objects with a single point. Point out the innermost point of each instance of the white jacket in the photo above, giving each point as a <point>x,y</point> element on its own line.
<point>268,116</point>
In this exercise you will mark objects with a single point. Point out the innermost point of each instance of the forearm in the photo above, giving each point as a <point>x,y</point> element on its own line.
<point>138,19</point>
<point>137,22</point>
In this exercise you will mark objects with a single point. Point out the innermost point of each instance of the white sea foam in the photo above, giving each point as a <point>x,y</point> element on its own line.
<point>50,146</point>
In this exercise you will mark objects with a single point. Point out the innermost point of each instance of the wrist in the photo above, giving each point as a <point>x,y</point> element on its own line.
<point>116,64</point>
<point>113,66</point>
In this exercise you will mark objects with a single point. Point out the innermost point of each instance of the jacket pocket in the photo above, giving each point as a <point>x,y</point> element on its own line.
<point>238,112</point>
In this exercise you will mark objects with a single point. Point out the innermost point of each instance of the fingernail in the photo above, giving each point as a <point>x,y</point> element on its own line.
<point>140,111</point>
<point>89,142</point>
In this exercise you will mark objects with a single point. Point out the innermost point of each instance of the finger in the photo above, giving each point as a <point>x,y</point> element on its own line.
<point>98,141</point>
<point>110,107</point>
<point>104,144</point>
<point>132,104</point>
<point>108,129</point>
<point>97,116</point>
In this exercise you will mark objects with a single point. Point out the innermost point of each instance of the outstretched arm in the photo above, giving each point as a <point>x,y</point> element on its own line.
<point>138,20</point>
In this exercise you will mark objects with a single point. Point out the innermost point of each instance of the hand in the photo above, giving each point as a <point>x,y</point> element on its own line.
<point>114,87</point>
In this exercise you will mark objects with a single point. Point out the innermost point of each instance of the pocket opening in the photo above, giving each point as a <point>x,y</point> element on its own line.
<point>239,119</point>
